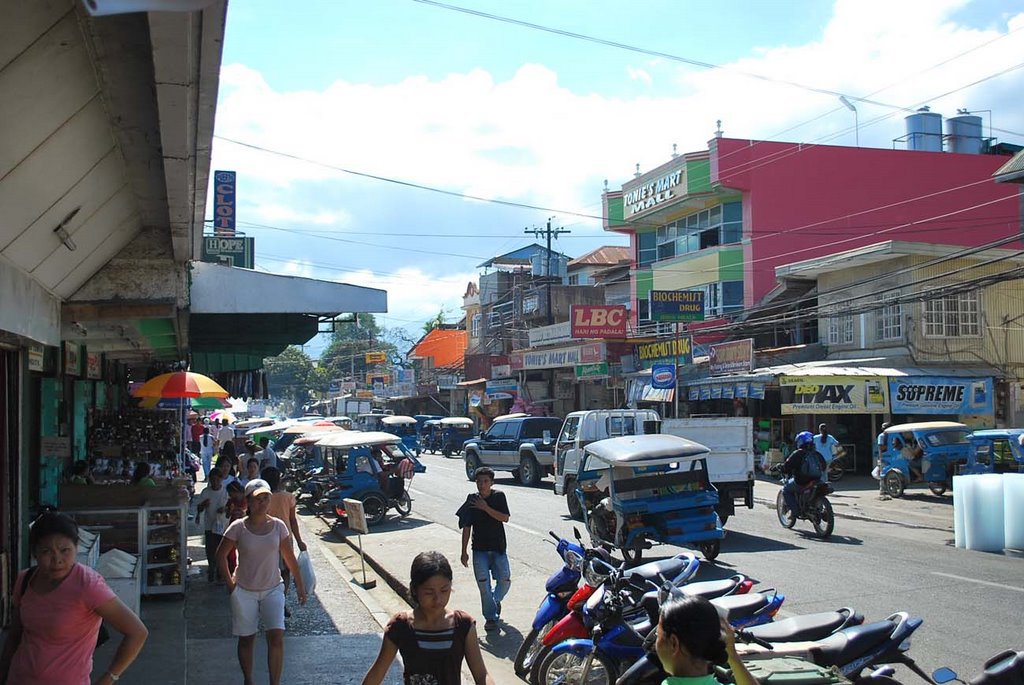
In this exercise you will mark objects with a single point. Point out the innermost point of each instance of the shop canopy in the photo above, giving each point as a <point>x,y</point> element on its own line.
<point>239,316</point>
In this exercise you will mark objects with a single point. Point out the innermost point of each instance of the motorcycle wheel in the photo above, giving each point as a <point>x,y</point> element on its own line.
<point>710,549</point>
<point>938,489</point>
<point>531,647</point>
<point>375,507</point>
<point>894,484</point>
<point>403,505</point>
<point>290,484</point>
<point>823,519</point>
<point>787,519</point>
<point>534,676</point>
<point>566,669</point>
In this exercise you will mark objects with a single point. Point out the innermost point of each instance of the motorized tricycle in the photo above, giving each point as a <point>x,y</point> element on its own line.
<point>430,436</point>
<point>375,468</point>
<point>405,428</point>
<point>637,490</point>
<point>998,450</point>
<point>929,452</point>
<point>455,431</point>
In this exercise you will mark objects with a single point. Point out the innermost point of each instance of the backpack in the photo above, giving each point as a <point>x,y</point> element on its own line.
<point>812,467</point>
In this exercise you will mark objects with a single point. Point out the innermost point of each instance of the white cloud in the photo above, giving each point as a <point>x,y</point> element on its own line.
<point>270,213</point>
<point>414,296</point>
<point>297,267</point>
<point>638,74</point>
<point>528,138</point>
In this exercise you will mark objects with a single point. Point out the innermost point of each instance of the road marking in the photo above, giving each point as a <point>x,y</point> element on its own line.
<point>1001,586</point>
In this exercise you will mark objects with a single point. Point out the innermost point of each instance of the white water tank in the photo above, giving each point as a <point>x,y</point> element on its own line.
<point>963,133</point>
<point>924,131</point>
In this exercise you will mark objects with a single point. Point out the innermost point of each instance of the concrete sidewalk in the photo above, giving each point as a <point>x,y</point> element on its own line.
<point>856,497</point>
<point>332,639</point>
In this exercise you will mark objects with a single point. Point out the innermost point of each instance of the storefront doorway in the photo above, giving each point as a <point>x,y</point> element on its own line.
<point>9,388</point>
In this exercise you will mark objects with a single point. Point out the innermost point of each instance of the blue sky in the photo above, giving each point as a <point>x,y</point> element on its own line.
<point>418,93</point>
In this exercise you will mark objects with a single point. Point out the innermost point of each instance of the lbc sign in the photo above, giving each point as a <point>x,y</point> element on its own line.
<point>598,321</point>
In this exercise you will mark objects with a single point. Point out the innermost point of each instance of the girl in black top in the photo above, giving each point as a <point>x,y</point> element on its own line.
<point>433,640</point>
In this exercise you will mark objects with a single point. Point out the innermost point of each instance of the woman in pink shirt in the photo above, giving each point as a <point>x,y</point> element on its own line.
<point>256,588</point>
<point>58,608</point>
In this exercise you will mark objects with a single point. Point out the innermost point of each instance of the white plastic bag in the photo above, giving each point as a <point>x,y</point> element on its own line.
<point>876,474</point>
<point>306,571</point>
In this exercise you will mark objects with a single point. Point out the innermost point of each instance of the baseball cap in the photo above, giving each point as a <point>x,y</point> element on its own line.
<point>257,486</point>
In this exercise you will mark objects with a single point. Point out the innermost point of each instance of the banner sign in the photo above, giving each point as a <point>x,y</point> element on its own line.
<point>501,370</point>
<point>640,197</point>
<point>741,390</point>
<point>347,386</point>
<point>224,203</point>
<point>677,350</point>
<point>728,391</point>
<point>550,335</point>
<point>598,321</point>
<point>447,382</point>
<point>93,365</point>
<point>406,376</point>
<point>941,395</point>
<point>590,372</point>
<point>376,357</point>
<point>591,353</point>
<point>232,251</point>
<point>756,391</point>
<point>693,393</point>
<point>731,357</point>
<point>834,394</point>
<point>506,385</point>
<point>36,357</point>
<point>677,305</point>
<point>663,376</point>
<point>72,359</point>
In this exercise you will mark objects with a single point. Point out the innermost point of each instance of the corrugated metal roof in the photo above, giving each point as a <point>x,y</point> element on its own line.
<point>604,255</point>
<point>1012,170</point>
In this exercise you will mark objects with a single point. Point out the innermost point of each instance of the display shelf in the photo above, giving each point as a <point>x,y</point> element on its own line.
<point>164,541</point>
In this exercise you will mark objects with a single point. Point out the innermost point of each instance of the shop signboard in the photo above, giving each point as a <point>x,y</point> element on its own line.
<point>728,391</point>
<point>756,391</point>
<point>693,393</point>
<point>677,305</point>
<point>347,386</point>
<point>36,357</point>
<point>558,357</point>
<point>834,394</point>
<point>376,357</point>
<point>447,382</point>
<point>364,394</point>
<point>550,335</point>
<point>677,350</point>
<point>72,359</point>
<point>232,251</point>
<point>508,386</point>
<point>598,321</point>
<point>941,395</point>
<point>731,357</point>
<point>355,515</point>
<point>704,393</point>
<point>224,203</point>
<point>592,372</point>
<point>55,446</point>
<point>663,376</point>
<point>501,370</point>
<point>93,365</point>
<point>742,390</point>
<point>642,196</point>
<point>716,391</point>
<point>373,378</point>
<point>407,376</point>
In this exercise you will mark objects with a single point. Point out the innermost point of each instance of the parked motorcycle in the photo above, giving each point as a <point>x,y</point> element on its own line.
<point>1005,668</point>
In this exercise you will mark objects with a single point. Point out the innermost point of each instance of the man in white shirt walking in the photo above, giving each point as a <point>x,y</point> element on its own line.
<point>267,456</point>
<point>829,448</point>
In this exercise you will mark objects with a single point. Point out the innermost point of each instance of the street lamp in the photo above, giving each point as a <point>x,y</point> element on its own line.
<point>856,122</point>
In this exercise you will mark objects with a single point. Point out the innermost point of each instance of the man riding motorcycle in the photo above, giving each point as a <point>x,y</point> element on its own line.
<point>805,465</point>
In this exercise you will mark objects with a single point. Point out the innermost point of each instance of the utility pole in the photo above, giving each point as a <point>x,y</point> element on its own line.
<point>548,232</point>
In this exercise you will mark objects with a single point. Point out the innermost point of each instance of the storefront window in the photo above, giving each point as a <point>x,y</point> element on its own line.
<point>889,319</point>
<point>732,296</point>
<point>647,248</point>
<point>952,317</point>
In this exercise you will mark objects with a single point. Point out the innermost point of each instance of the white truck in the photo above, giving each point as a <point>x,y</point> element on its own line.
<point>351,406</point>
<point>730,463</point>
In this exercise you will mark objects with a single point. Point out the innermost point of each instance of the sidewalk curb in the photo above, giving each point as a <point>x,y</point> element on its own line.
<point>378,613</point>
<point>861,517</point>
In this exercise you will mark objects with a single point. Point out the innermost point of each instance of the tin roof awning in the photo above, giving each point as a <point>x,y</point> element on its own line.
<point>238,317</point>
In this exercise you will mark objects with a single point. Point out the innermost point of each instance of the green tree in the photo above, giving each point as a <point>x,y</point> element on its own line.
<point>345,356</point>
<point>435,322</point>
<point>290,375</point>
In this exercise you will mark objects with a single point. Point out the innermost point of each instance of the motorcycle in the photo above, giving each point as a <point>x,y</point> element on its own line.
<point>1005,668</point>
<point>616,642</point>
<point>813,505</point>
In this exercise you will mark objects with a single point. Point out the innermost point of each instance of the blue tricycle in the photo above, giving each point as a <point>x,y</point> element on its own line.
<point>928,451</point>
<point>375,468</point>
<point>997,450</point>
<point>404,427</point>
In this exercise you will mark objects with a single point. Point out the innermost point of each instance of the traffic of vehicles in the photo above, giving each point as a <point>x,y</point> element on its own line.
<point>636,481</point>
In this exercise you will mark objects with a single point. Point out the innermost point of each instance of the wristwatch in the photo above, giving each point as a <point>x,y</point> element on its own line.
<point>113,676</point>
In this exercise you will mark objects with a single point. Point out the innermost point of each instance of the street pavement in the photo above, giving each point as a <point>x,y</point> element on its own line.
<point>884,556</point>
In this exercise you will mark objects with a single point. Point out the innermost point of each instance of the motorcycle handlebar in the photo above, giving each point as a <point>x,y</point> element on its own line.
<point>748,638</point>
<point>552,534</point>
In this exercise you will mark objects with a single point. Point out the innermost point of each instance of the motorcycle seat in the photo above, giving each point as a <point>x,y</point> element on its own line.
<point>800,628</point>
<point>850,643</point>
<point>709,589</point>
<point>666,568</point>
<point>741,606</point>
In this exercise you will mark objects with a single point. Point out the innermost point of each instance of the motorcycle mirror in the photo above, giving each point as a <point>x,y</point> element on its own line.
<point>944,675</point>
<point>576,532</point>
